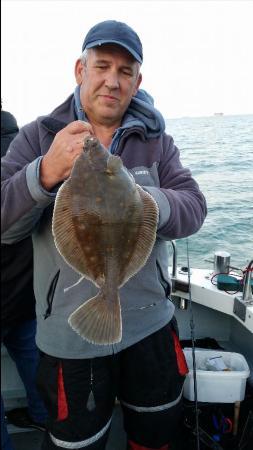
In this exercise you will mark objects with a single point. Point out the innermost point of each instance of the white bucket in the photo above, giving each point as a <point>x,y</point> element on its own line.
<point>216,386</point>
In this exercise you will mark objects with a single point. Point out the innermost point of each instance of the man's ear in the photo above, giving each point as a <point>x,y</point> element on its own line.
<point>138,82</point>
<point>79,71</point>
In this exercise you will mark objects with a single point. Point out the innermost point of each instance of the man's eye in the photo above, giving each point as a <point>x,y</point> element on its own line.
<point>101,67</point>
<point>127,72</point>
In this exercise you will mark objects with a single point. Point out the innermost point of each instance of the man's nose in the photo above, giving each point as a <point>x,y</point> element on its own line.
<point>112,81</point>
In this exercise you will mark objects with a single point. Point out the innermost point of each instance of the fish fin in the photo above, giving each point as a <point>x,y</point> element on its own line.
<point>147,236</point>
<point>73,285</point>
<point>64,233</point>
<point>98,321</point>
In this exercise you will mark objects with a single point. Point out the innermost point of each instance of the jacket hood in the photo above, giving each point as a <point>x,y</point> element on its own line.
<point>142,111</point>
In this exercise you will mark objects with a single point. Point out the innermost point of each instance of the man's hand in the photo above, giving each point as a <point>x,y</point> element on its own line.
<point>67,145</point>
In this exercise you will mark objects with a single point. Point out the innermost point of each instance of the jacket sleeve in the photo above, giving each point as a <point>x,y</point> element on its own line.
<point>22,197</point>
<point>182,206</point>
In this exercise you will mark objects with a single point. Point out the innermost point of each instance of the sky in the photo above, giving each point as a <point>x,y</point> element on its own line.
<point>197,54</point>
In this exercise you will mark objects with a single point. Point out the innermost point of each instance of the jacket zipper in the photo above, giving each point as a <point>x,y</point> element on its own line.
<point>163,281</point>
<point>123,137</point>
<point>50,295</point>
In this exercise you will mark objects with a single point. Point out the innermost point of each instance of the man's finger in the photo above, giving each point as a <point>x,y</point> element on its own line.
<point>79,126</point>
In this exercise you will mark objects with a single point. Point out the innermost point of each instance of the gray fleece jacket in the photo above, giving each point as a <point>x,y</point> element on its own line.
<point>27,208</point>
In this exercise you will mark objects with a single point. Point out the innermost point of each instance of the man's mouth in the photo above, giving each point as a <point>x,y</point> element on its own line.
<point>109,98</point>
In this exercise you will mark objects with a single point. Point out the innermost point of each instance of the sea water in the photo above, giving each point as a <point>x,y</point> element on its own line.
<point>219,152</point>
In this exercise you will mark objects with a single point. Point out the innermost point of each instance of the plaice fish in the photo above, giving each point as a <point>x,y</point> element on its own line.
<point>104,226</point>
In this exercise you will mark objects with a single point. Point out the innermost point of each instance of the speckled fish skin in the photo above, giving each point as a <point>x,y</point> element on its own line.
<point>104,226</point>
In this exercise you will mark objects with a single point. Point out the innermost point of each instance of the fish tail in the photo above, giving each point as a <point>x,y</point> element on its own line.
<point>98,320</point>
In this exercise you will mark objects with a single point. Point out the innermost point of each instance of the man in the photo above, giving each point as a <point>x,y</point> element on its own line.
<point>18,320</point>
<point>146,370</point>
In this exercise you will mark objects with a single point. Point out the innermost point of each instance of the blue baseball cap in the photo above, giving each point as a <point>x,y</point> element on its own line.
<point>113,32</point>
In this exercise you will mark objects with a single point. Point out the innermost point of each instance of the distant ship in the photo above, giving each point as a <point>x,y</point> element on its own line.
<point>219,114</point>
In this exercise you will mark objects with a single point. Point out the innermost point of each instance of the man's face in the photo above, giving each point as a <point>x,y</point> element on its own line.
<point>108,80</point>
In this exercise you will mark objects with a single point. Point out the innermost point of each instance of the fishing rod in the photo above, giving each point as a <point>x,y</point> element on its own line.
<point>192,328</point>
<point>201,435</point>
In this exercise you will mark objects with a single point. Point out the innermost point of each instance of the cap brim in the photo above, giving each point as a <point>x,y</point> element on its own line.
<point>106,41</point>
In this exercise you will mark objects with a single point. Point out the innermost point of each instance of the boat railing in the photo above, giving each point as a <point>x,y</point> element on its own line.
<point>247,290</point>
<point>176,284</point>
